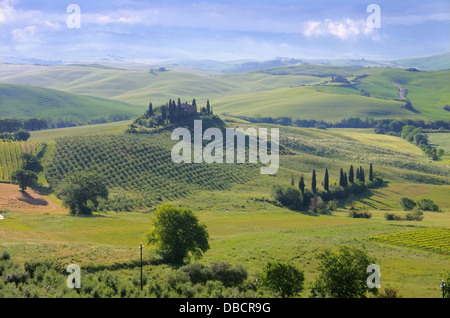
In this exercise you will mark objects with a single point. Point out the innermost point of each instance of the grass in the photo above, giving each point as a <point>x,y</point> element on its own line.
<point>21,101</point>
<point>243,230</point>
<point>309,103</point>
<point>50,135</point>
<point>271,92</point>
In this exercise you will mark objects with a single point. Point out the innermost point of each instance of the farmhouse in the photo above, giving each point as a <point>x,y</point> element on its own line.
<point>190,109</point>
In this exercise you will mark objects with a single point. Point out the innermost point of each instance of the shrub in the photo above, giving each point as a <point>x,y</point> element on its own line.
<point>407,204</point>
<point>392,217</point>
<point>389,292</point>
<point>414,216</point>
<point>288,196</point>
<point>317,205</point>
<point>218,271</point>
<point>427,205</point>
<point>284,279</point>
<point>359,214</point>
<point>16,276</point>
<point>5,256</point>
<point>228,275</point>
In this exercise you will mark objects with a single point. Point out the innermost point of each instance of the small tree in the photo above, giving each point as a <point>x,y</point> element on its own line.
<point>407,204</point>
<point>24,178</point>
<point>177,233</point>
<point>288,196</point>
<point>371,173</point>
<point>283,279</point>
<point>342,273</point>
<point>31,163</point>
<point>301,184</point>
<point>427,205</point>
<point>76,189</point>
<point>21,135</point>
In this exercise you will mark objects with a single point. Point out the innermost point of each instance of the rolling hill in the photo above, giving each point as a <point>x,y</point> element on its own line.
<point>22,101</point>
<point>299,91</point>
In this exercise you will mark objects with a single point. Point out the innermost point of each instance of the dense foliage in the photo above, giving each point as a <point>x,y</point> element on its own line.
<point>80,191</point>
<point>342,273</point>
<point>177,233</point>
<point>284,279</point>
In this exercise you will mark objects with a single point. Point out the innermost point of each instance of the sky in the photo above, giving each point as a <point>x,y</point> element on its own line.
<point>149,31</point>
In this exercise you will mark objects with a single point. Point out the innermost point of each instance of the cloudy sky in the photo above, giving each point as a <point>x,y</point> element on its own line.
<point>223,30</point>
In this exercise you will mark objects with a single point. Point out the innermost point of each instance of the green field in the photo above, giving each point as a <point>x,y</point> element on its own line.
<point>296,91</point>
<point>234,200</point>
<point>19,101</point>
<point>244,230</point>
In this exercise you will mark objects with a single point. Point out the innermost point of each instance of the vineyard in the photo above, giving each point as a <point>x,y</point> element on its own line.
<point>433,239</point>
<point>10,156</point>
<point>139,170</point>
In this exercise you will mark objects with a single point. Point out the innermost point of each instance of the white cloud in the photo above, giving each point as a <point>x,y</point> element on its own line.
<point>345,29</point>
<point>24,35</point>
<point>52,25</point>
<point>7,11</point>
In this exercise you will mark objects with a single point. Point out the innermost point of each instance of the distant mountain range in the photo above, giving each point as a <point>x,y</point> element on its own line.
<point>439,61</point>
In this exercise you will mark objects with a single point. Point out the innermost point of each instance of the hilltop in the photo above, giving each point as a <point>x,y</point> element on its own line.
<point>21,101</point>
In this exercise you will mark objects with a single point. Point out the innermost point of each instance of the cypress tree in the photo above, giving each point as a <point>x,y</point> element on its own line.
<point>361,175</point>
<point>351,175</point>
<point>301,184</point>
<point>326,181</point>
<point>208,108</point>
<point>371,172</point>
<point>341,178</point>
<point>345,179</point>
<point>357,174</point>
<point>150,109</point>
<point>194,103</point>
<point>314,182</point>
<point>292,180</point>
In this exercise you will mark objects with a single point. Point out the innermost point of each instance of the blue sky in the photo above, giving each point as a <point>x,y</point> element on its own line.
<point>139,30</point>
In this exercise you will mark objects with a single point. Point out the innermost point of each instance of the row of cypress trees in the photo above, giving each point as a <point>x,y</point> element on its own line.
<point>344,180</point>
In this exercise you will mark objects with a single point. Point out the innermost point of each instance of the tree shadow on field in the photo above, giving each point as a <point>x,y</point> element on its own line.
<point>368,195</point>
<point>26,197</point>
<point>42,190</point>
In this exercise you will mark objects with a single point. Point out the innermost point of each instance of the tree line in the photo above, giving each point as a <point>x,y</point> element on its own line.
<point>172,113</point>
<point>11,125</point>
<point>323,201</point>
<point>389,126</point>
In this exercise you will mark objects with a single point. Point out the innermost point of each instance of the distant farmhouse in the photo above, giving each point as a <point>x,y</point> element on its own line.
<point>190,109</point>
